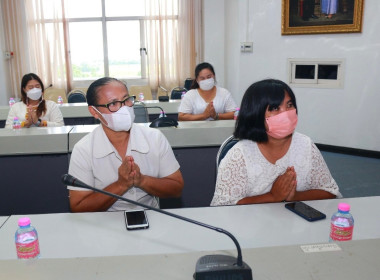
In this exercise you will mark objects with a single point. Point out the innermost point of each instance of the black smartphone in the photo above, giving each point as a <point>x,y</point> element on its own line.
<point>305,211</point>
<point>136,219</point>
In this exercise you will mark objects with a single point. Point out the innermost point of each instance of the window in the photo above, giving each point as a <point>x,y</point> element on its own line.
<point>316,73</point>
<point>107,39</point>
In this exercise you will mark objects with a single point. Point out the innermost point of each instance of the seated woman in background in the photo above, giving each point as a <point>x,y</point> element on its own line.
<point>33,110</point>
<point>271,162</point>
<point>206,101</point>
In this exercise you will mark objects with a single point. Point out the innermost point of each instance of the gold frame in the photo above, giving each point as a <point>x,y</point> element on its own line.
<point>356,26</point>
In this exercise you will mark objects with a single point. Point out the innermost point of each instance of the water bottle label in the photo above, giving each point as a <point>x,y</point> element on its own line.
<point>28,251</point>
<point>341,233</point>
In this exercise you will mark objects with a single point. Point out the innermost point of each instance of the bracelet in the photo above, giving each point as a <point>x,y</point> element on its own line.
<point>38,122</point>
<point>217,116</point>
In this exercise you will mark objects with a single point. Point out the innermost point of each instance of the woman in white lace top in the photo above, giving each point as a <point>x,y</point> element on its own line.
<point>271,162</point>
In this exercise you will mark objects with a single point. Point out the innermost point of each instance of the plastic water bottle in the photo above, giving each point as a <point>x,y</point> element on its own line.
<point>26,239</point>
<point>141,97</point>
<point>60,100</point>
<point>236,114</point>
<point>183,94</point>
<point>11,101</point>
<point>162,114</point>
<point>16,125</point>
<point>342,224</point>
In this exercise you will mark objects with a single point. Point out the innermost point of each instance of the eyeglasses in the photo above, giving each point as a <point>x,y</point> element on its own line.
<point>114,106</point>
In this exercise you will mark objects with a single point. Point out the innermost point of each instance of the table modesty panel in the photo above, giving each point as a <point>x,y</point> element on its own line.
<point>356,260</point>
<point>69,235</point>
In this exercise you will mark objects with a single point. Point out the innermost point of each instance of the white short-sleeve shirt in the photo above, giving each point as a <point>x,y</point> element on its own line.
<point>95,162</point>
<point>245,172</point>
<point>53,115</point>
<point>194,104</point>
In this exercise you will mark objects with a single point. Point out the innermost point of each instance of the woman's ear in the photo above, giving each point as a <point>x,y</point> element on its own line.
<point>93,112</point>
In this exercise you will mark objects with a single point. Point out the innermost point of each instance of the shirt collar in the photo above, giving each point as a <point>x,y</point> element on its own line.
<point>103,147</point>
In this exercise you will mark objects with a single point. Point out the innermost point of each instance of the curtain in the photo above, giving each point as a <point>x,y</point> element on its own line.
<point>172,29</point>
<point>15,41</point>
<point>47,42</point>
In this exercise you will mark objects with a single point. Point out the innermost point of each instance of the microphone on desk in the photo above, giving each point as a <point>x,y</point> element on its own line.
<point>49,86</point>
<point>162,121</point>
<point>207,267</point>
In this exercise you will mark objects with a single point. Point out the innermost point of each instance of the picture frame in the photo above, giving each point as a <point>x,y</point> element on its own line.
<point>321,16</point>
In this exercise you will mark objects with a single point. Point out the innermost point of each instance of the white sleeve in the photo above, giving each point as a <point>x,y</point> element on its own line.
<point>80,167</point>
<point>232,180</point>
<point>230,105</point>
<point>56,118</point>
<point>11,115</point>
<point>168,162</point>
<point>320,176</point>
<point>186,106</point>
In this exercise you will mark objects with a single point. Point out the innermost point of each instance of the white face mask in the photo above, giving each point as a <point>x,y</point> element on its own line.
<point>34,93</point>
<point>207,84</point>
<point>121,120</point>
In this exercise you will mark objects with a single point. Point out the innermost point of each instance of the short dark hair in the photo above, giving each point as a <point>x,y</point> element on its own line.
<point>92,92</point>
<point>198,69</point>
<point>258,97</point>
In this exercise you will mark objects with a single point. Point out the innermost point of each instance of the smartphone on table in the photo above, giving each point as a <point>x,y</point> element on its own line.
<point>136,219</point>
<point>305,211</point>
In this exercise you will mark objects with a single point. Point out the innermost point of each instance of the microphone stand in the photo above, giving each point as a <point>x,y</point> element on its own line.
<point>245,270</point>
<point>163,121</point>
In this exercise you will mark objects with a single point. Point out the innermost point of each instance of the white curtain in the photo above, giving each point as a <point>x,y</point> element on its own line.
<point>15,41</point>
<point>47,39</point>
<point>172,33</point>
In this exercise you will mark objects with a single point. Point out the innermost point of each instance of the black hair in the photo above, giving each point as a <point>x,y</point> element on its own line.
<point>92,92</point>
<point>198,69</point>
<point>258,97</point>
<point>24,81</point>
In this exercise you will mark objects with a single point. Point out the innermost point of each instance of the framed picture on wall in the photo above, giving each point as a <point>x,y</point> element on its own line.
<point>321,16</point>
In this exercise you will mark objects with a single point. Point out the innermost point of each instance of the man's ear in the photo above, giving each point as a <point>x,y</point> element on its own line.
<point>93,112</point>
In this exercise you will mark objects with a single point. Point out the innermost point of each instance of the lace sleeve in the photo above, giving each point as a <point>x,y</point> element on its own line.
<point>320,176</point>
<point>232,180</point>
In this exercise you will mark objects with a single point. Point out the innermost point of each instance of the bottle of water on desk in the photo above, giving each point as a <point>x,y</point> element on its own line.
<point>342,224</point>
<point>162,114</point>
<point>26,239</point>
<point>183,94</point>
<point>16,125</point>
<point>141,97</point>
<point>236,114</point>
<point>11,101</point>
<point>60,100</point>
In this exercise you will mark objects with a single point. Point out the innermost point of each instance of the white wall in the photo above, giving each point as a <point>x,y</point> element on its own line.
<point>347,117</point>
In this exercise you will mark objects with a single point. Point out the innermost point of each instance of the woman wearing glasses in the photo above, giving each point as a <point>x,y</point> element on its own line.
<point>33,110</point>
<point>119,157</point>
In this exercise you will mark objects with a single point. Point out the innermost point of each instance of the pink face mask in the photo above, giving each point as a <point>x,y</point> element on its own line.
<point>282,125</point>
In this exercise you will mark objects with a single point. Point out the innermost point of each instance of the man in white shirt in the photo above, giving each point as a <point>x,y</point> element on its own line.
<point>120,157</point>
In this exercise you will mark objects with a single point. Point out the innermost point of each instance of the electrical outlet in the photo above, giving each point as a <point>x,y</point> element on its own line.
<point>8,55</point>
<point>246,46</point>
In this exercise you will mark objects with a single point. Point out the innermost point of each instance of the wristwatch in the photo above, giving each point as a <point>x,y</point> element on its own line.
<point>38,122</point>
<point>217,116</point>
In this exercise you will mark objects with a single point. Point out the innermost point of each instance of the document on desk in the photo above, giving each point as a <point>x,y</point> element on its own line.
<point>315,248</point>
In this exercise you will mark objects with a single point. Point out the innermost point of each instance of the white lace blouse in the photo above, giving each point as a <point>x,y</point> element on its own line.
<point>245,172</point>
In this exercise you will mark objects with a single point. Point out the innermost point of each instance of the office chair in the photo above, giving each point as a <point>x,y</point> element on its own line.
<point>53,93</point>
<point>177,92</point>
<point>141,113</point>
<point>223,150</point>
<point>76,96</point>
<point>136,90</point>
<point>188,83</point>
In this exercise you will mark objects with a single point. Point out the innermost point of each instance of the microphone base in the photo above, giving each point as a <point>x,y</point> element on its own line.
<point>221,267</point>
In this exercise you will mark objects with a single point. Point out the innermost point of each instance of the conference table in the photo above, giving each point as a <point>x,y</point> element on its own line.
<point>78,114</point>
<point>276,243</point>
<point>33,160</point>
